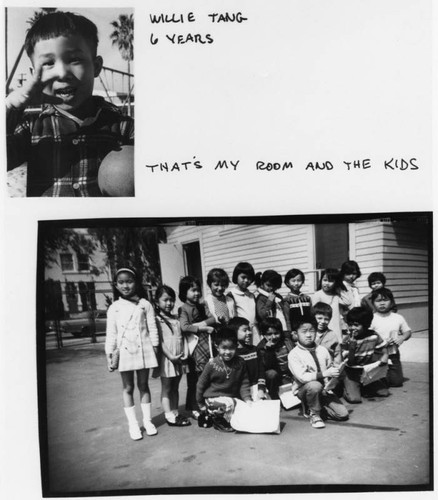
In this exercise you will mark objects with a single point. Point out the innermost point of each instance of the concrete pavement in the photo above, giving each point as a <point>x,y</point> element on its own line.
<point>385,444</point>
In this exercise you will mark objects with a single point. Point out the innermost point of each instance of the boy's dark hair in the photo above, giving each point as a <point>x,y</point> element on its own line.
<point>302,320</point>
<point>360,315</point>
<point>184,286</point>
<point>243,268</point>
<point>383,292</point>
<point>331,274</point>
<point>270,323</point>
<point>292,273</point>
<point>58,24</point>
<point>218,274</point>
<point>322,308</point>
<point>225,333</point>
<point>236,323</point>
<point>269,276</point>
<point>139,288</point>
<point>376,277</point>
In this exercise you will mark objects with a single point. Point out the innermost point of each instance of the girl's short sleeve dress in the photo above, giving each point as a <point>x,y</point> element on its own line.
<point>171,336</point>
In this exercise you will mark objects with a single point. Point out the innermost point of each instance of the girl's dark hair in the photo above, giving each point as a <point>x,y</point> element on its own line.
<point>360,315</point>
<point>269,276</point>
<point>331,273</point>
<point>218,274</point>
<point>383,292</point>
<point>376,277</point>
<point>58,24</point>
<point>184,286</point>
<point>236,322</point>
<point>322,308</point>
<point>225,333</point>
<point>270,323</point>
<point>349,267</point>
<point>162,289</point>
<point>139,288</point>
<point>292,273</point>
<point>244,268</point>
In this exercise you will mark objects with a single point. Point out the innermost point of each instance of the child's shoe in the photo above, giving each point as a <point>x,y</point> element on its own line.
<point>205,420</point>
<point>316,421</point>
<point>150,428</point>
<point>220,424</point>
<point>135,432</point>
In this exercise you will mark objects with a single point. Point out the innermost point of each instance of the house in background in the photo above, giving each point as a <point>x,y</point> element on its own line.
<point>73,277</point>
<point>398,248</point>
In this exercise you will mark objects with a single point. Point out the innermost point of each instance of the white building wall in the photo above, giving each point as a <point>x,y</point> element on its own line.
<point>278,247</point>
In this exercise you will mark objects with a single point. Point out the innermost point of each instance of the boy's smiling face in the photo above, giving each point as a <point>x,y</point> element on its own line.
<point>70,67</point>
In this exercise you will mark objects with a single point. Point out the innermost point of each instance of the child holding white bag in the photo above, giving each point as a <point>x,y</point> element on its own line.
<point>132,332</point>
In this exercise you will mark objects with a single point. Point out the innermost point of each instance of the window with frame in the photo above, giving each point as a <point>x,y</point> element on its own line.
<point>83,262</point>
<point>67,263</point>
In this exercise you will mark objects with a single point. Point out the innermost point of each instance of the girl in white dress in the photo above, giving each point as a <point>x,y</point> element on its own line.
<point>131,328</point>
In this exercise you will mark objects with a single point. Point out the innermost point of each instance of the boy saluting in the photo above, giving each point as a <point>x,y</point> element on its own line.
<point>64,145</point>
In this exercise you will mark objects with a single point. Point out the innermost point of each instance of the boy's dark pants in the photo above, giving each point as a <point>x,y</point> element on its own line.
<point>394,376</point>
<point>352,386</point>
<point>273,381</point>
<point>317,400</point>
<point>192,379</point>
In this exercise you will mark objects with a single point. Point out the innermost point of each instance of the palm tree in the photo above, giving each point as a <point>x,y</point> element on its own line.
<point>123,37</point>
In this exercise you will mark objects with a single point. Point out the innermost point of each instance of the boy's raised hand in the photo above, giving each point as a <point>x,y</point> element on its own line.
<point>32,91</point>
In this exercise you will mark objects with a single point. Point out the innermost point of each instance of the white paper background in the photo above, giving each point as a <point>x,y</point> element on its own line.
<point>300,81</point>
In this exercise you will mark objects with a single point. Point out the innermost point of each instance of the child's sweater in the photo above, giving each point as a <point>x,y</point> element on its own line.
<point>254,365</point>
<point>299,306</point>
<point>363,350</point>
<point>275,358</point>
<point>223,379</point>
<point>267,308</point>
<point>303,366</point>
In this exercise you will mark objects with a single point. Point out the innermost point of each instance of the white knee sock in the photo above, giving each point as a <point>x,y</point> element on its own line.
<point>130,415</point>
<point>147,421</point>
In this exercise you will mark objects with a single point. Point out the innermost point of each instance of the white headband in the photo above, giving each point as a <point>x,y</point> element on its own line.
<point>125,270</point>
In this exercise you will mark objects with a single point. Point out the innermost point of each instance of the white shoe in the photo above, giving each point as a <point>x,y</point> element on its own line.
<point>135,432</point>
<point>150,428</point>
<point>316,421</point>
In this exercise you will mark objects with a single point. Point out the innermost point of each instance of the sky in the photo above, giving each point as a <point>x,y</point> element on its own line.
<point>102,17</point>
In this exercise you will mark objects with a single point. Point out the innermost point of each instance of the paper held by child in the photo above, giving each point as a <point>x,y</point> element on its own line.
<point>287,397</point>
<point>333,382</point>
<point>261,417</point>
<point>372,372</point>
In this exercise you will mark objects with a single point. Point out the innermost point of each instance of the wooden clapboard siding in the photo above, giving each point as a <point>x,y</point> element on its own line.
<point>278,247</point>
<point>400,251</point>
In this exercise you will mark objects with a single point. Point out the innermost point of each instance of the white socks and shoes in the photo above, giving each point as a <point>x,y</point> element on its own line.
<point>134,429</point>
<point>150,428</point>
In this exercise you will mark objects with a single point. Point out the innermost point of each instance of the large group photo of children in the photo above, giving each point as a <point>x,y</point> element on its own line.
<point>242,348</point>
